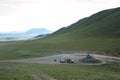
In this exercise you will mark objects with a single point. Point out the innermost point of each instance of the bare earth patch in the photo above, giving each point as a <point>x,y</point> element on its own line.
<point>55,59</point>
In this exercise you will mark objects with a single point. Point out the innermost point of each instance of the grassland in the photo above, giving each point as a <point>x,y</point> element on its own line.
<point>15,71</point>
<point>99,32</point>
<point>45,47</point>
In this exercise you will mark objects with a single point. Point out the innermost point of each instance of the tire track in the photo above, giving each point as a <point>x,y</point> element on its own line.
<point>40,75</point>
<point>35,77</point>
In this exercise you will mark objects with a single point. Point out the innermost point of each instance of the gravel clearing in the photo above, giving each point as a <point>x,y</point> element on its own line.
<point>55,59</point>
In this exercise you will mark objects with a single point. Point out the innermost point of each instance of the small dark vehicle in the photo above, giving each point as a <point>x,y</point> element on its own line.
<point>69,61</point>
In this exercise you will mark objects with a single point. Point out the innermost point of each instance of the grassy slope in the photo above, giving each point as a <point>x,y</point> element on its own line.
<point>103,24</point>
<point>100,31</point>
<point>15,71</point>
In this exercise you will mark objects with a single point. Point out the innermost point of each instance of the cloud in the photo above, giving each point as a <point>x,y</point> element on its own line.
<point>15,1</point>
<point>96,1</point>
<point>22,15</point>
<point>9,6</point>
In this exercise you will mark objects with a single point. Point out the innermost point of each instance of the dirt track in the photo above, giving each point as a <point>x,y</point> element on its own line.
<point>75,57</point>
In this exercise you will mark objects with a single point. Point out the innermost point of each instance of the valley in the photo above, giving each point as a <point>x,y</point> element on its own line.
<point>62,55</point>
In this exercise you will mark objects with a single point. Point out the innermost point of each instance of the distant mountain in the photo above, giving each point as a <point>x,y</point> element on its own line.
<point>38,31</point>
<point>25,35</point>
<point>42,36</point>
<point>11,35</point>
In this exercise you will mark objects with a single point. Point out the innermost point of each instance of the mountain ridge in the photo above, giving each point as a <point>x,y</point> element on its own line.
<point>91,23</point>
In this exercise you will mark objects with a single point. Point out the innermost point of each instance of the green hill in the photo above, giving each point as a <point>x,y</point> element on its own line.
<point>99,32</point>
<point>103,24</point>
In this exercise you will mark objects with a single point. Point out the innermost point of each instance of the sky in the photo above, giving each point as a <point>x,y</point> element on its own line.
<point>22,15</point>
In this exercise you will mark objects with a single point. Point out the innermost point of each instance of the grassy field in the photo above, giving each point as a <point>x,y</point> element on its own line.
<point>50,46</point>
<point>15,71</point>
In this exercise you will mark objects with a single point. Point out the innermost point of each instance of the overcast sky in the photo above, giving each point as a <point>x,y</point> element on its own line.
<point>21,15</point>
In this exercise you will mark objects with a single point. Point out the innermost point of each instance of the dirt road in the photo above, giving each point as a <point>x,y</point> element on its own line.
<point>55,59</point>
